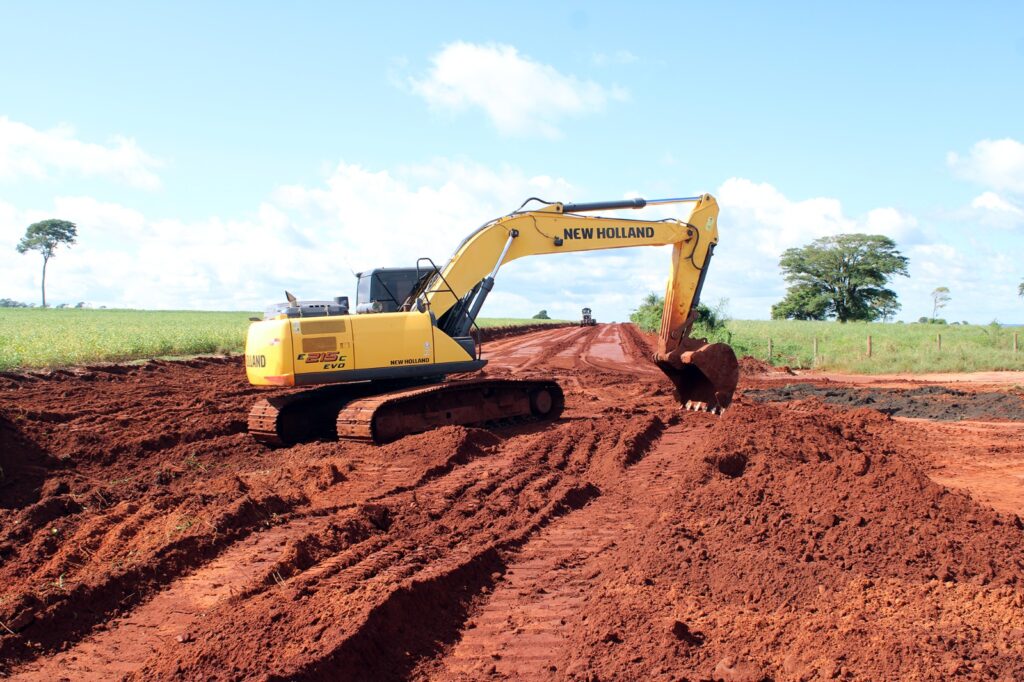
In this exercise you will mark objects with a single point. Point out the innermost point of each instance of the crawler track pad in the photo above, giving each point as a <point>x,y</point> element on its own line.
<point>387,417</point>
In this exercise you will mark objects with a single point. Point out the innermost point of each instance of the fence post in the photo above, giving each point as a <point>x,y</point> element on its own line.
<point>769,350</point>
<point>1015,342</point>
<point>938,342</point>
<point>869,345</point>
<point>814,357</point>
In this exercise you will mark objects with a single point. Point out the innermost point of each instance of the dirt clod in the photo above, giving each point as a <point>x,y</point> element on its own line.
<point>730,669</point>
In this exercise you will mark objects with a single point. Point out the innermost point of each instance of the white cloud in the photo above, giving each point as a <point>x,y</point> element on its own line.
<point>302,238</point>
<point>306,239</point>
<point>981,277</point>
<point>990,201</point>
<point>999,166</point>
<point>994,163</point>
<point>382,218</point>
<point>521,96</point>
<point>992,210</point>
<point>616,57</point>
<point>771,222</point>
<point>758,222</point>
<point>29,153</point>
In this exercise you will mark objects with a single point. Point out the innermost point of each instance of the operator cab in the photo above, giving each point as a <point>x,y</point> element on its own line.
<point>385,290</point>
<point>381,290</point>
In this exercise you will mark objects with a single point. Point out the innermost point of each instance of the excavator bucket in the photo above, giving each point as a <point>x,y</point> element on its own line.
<point>704,374</point>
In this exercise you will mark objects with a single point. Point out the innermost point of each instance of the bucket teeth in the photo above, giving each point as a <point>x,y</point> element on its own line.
<point>698,406</point>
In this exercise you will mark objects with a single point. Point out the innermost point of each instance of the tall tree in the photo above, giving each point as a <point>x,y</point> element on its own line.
<point>940,297</point>
<point>844,276</point>
<point>44,237</point>
<point>709,320</point>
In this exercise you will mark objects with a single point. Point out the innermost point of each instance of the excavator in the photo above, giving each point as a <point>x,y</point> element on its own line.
<point>381,370</point>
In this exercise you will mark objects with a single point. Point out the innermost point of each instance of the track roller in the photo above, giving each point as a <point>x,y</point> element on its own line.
<point>385,418</point>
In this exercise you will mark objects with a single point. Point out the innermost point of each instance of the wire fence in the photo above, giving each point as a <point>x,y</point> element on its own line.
<point>938,353</point>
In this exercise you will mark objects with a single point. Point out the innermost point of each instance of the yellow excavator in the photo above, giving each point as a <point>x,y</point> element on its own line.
<point>381,369</point>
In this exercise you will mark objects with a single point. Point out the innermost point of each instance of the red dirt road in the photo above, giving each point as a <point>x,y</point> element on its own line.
<point>144,535</point>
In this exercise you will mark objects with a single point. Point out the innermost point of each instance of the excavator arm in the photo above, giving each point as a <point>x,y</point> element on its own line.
<point>705,375</point>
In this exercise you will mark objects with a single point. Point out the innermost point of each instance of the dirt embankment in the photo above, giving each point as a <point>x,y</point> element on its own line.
<point>143,534</point>
<point>485,334</point>
<point>810,545</point>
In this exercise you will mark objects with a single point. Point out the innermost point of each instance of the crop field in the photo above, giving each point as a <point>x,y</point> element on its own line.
<point>34,337</point>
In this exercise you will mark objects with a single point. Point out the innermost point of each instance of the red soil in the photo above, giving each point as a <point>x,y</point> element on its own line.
<point>143,534</point>
<point>751,367</point>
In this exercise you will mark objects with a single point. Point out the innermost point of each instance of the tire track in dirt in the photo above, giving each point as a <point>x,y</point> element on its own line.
<point>519,631</point>
<point>531,351</point>
<point>124,644</point>
<point>195,574</point>
<point>262,558</point>
<point>445,541</point>
<point>611,351</point>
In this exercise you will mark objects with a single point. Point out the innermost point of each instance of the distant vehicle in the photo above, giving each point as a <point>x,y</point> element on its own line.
<point>588,320</point>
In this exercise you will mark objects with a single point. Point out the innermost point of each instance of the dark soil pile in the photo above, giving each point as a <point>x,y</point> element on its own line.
<point>804,546</point>
<point>927,402</point>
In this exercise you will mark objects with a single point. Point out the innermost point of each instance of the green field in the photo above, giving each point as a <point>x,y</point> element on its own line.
<point>35,337</point>
<point>32,338</point>
<point>894,347</point>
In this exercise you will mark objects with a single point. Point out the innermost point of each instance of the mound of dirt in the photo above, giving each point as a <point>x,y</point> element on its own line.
<point>486,334</point>
<point>752,367</point>
<point>805,546</point>
<point>928,402</point>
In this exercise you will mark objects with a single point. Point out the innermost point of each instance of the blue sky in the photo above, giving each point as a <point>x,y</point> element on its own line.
<point>213,155</point>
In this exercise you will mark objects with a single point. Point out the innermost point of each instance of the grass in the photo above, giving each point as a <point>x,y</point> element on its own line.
<point>895,347</point>
<point>35,337</point>
<point>511,321</point>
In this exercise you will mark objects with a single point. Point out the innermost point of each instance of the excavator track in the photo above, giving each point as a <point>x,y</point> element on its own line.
<point>378,413</point>
<point>307,415</point>
<point>387,417</point>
